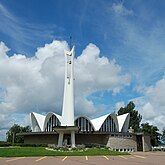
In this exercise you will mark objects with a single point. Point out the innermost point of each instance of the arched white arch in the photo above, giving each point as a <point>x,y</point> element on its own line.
<point>98,122</point>
<point>37,121</point>
<point>123,122</point>
<point>85,117</point>
<point>48,116</point>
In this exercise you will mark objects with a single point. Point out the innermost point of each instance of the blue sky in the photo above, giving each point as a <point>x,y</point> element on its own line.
<point>40,21</point>
<point>130,32</point>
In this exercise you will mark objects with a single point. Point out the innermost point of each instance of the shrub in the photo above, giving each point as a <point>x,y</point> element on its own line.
<point>30,145</point>
<point>4,144</point>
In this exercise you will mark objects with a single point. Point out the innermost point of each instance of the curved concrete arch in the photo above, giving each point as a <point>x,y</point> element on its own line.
<point>114,117</point>
<point>37,121</point>
<point>50,114</point>
<point>87,119</point>
<point>98,122</point>
<point>123,122</point>
<point>126,124</point>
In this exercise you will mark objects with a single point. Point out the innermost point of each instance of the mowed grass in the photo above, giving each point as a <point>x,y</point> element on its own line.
<point>41,151</point>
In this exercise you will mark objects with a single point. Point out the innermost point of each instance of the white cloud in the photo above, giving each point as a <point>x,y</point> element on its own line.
<point>148,111</point>
<point>120,9</point>
<point>2,134</point>
<point>156,93</point>
<point>152,104</point>
<point>118,105</point>
<point>36,83</point>
<point>21,32</point>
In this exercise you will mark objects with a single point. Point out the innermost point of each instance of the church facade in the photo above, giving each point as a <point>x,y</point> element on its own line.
<point>110,130</point>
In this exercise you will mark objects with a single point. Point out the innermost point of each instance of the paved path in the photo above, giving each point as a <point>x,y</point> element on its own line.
<point>139,158</point>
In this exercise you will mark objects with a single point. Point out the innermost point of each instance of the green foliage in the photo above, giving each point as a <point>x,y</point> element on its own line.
<point>135,117</point>
<point>152,131</point>
<point>4,144</point>
<point>11,134</point>
<point>163,133</point>
<point>29,145</point>
<point>41,151</point>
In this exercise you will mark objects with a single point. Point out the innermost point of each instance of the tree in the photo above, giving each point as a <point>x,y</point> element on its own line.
<point>163,132</point>
<point>163,137</point>
<point>135,117</point>
<point>11,134</point>
<point>152,131</point>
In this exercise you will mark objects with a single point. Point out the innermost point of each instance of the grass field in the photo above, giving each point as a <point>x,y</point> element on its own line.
<point>41,151</point>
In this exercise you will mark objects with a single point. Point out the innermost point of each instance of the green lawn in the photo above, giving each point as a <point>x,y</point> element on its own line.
<point>41,151</point>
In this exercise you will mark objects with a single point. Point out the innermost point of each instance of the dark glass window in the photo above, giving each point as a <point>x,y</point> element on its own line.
<point>84,124</point>
<point>108,125</point>
<point>52,122</point>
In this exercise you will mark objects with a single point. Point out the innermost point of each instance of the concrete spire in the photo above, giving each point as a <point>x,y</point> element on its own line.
<point>68,99</point>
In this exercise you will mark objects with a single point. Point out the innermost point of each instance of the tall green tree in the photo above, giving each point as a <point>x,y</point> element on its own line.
<point>152,131</point>
<point>11,134</point>
<point>135,117</point>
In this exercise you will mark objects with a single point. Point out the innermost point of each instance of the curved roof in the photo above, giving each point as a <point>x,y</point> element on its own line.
<point>122,120</point>
<point>39,120</point>
<point>87,119</point>
<point>97,122</point>
<point>48,117</point>
<point>114,117</point>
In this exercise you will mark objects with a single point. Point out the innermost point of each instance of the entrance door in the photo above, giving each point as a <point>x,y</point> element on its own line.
<point>139,143</point>
<point>68,140</point>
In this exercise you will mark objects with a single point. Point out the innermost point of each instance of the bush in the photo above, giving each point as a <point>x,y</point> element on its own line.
<point>30,145</point>
<point>4,144</point>
<point>91,145</point>
<point>80,146</point>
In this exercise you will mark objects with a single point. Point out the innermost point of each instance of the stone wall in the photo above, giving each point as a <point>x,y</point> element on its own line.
<point>122,143</point>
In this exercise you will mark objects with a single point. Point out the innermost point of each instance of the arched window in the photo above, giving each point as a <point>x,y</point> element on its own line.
<point>52,122</point>
<point>108,125</point>
<point>84,124</point>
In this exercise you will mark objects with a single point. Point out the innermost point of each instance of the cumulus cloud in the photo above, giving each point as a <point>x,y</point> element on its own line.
<point>152,104</point>
<point>120,9</point>
<point>36,83</point>
<point>118,105</point>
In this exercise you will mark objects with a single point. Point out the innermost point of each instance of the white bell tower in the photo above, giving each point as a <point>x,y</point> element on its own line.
<point>68,99</point>
<point>67,123</point>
